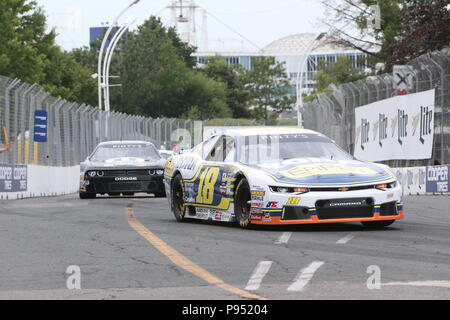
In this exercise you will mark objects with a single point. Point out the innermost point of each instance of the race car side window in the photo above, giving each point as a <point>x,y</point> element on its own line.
<point>204,150</point>
<point>223,150</point>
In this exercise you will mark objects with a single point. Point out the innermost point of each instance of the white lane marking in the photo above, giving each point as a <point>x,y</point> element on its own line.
<point>258,274</point>
<point>284,238</point>
<point>346,239</point>
<point>426,283</point>
<point>304,276</point>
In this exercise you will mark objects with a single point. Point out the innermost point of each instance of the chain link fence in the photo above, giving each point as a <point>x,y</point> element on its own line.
<point>333,113</point>
<point>73,130</point>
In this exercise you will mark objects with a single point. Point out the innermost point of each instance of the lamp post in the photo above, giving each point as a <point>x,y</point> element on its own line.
<point>300,78</point>
<point>100,74</point>
<point>108,57</point>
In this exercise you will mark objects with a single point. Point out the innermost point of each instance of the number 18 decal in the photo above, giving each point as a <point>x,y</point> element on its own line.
<point>208,179</point>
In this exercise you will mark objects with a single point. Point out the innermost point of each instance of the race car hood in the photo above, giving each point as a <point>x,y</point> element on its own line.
<point>321,172</point>
<point>125,162</point>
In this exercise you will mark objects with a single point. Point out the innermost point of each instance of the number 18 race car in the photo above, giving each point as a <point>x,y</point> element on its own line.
<point>279,177</point>
<point>122,168</point>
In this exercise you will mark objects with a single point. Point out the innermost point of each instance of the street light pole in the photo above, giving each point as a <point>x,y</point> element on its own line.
<point>100,74</point>
<point>300,78</point>
<point>109,53</point>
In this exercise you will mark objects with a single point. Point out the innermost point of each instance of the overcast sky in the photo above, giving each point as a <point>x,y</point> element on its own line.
<point>260,21</point>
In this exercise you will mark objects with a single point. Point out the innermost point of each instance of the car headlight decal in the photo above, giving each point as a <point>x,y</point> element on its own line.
<point>281,189</point>
<point>384,186</point>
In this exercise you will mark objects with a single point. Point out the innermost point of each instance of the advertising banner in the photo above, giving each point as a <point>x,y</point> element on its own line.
<point>13,178</point>
<point>438,179</point>
<point>401,127</point>
<point>416,180</point>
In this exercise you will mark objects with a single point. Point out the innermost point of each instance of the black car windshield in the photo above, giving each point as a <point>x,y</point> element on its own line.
<point>111,151</point>
<point>276,148</point>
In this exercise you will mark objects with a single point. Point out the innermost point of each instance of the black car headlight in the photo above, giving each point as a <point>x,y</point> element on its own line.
<point>295,190</point>
<point>92,174</point>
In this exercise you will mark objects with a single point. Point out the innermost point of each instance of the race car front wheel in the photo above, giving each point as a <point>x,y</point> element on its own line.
<point>242,203</point>
<point>377,224</point>
<point>177,195</point>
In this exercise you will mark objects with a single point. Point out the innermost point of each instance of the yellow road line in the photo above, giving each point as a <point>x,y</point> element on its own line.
<point>181,261</point>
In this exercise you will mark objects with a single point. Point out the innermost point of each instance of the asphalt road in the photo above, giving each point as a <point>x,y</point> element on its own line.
<point>132,248</point>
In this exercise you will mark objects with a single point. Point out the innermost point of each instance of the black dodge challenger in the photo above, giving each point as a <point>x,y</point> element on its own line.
<point>122,168</point>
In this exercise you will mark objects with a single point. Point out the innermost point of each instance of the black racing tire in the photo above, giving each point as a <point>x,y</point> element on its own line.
<point>177,198</point>
<point>86,195</point>
<point>242,206</point>
<point>377,224</point>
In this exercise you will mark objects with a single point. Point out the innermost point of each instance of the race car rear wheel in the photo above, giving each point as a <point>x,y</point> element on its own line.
<point>177,195</point>
<point>242,203</point>
<point>377,224</point>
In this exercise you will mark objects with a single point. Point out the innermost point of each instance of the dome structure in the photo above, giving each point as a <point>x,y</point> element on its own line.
<point>298,44</point>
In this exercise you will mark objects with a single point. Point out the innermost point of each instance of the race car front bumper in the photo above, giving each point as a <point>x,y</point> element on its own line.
<point>113,184</point>
<point>327,207</point>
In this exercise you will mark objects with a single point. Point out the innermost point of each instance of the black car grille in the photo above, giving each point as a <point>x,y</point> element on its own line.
<point>121,173</point>
<point>345,208</point>
<point>126,186</point>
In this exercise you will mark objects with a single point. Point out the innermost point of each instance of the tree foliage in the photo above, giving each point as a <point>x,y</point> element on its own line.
<point>408,28</point>
<point>426,28</point>
<point>353,23</point>
<point>158,79</point>
<point>341,71</point>
<point>29,52</point>
<point>235,78</point>
<point>269,86</point>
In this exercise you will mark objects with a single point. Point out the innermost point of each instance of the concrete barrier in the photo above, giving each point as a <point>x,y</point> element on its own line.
<point>428,180</point>
<point>27,181</point>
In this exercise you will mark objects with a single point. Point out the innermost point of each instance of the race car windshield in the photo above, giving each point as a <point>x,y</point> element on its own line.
<point>276,148</point>
<point>144,151</point>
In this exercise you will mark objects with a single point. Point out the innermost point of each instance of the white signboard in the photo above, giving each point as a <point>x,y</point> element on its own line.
<point>401,127</point>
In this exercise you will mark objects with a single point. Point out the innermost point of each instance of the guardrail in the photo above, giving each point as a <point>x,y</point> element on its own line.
<point>39,129</point>
<point>333,113</point>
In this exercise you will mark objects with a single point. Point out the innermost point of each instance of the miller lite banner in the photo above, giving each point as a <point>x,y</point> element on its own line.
<point>397,128</point>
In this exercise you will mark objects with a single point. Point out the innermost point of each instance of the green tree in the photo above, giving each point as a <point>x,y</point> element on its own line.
<point>29,53</point>
<point>158,79</point>
<point>21,38</point>
<point>427,28</point>
<point>235,79</point>
<point>270,87</point>
<point>341,71</point>
<point>375,40</point>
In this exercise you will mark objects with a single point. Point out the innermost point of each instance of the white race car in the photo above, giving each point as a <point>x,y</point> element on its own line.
<point>279,176</point>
